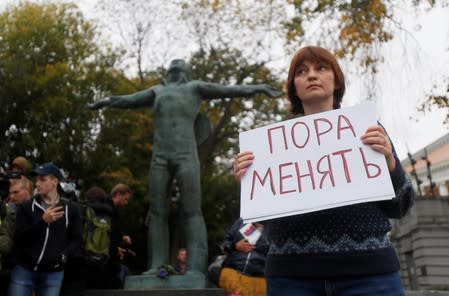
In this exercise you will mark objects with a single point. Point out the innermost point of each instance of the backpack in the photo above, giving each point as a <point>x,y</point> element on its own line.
<point>96,237</point>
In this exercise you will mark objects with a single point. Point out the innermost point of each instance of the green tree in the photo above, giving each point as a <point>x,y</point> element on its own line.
<point>50,67</point>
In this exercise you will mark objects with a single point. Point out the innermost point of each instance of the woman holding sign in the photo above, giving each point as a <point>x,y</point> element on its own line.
<point>338,251</point>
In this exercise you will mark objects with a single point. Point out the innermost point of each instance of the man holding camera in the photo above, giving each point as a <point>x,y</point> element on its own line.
<point>119,198</point>
<point>48,231</point>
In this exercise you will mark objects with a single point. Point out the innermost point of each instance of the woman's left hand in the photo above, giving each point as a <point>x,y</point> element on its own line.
<point>377,139</point>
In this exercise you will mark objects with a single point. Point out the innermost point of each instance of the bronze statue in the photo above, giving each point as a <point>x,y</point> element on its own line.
<point>176,105</point>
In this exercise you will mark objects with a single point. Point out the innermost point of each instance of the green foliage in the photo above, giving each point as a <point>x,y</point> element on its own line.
<point>50,67</point>
<point>228,66</point>
<point>351,26</point>
<point>221,206</point>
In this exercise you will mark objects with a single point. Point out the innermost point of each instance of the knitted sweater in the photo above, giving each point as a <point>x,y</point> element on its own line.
<point>345,241</point>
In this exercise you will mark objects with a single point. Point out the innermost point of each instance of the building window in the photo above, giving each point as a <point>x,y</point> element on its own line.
<point>427,193</point>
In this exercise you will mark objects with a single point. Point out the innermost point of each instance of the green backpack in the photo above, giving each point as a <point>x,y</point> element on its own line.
<point>97,237</point>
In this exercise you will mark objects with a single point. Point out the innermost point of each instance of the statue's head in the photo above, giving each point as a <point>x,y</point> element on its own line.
<point>178,71</point>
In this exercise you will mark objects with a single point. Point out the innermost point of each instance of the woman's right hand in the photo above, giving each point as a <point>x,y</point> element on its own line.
<point>243,161</point>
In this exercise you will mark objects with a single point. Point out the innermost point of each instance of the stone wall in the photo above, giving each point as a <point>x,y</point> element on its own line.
<point>421,240</point>
<point>214,292</point>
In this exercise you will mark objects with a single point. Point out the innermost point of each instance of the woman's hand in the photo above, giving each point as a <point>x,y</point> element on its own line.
<point>241,164</point>
<point>244,246</point>
<point>377,139</point>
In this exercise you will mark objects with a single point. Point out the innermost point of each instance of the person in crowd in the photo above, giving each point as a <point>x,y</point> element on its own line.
<point>20,190</point>
<point>120,196</point>
<point>48,231</point>
<point>338,251</point>
<point>244,267</point>
<point>180,264</point>
<point>80,273</point>
<point>20,164</point>
<point>96,198</point>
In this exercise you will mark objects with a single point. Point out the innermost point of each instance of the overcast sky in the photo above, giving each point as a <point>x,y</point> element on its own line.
<point>415,61</point>
<point>407,81</point>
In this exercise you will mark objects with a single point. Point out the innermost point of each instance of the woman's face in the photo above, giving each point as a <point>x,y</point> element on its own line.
<point>315,84</point>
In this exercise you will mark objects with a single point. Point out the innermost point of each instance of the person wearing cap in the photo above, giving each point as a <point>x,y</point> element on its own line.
<point>48,231</point>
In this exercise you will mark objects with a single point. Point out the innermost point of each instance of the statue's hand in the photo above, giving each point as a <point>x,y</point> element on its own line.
<point>100,104</point>
<point>272,92</point>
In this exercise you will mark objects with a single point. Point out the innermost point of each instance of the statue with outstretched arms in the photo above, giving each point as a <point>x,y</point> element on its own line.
<point>176,106</point>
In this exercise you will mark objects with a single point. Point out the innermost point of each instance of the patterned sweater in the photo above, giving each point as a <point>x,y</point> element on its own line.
<point>345,241</point>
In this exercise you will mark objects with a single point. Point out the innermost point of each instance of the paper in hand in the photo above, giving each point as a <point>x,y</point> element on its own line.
<point>251,233</point>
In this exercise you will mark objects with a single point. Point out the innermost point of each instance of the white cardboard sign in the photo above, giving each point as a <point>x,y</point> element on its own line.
<point>312,163</point>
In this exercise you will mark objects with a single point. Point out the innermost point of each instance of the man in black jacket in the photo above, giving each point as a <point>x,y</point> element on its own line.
<point>48,231</point>
<point>120,196</point>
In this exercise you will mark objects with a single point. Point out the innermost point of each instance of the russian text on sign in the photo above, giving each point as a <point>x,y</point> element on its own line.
<point>312,163</point>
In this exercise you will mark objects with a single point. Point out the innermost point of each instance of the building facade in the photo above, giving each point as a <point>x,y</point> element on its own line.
<point>421,238</point>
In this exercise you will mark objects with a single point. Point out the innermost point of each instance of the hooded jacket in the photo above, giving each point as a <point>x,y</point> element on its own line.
<point>42,246</point>
<point>251,263</point>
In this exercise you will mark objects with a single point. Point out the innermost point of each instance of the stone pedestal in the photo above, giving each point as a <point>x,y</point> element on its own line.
<point>186,281</point>
<point>161,292</point>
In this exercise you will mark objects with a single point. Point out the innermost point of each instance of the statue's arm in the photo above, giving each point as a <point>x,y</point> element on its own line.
<point>138,99</point>
<point>215,90</point>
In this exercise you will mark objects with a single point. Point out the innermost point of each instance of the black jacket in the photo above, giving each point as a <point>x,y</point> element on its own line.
<point>45,247</point>
<point>252,263</point>
<point>101,208</point>
<point>116,234</point>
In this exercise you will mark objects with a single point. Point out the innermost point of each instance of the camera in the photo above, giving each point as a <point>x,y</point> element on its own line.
<point>4,181</point>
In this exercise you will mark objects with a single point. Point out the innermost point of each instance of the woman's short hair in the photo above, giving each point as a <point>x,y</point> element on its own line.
<point>314,54</point>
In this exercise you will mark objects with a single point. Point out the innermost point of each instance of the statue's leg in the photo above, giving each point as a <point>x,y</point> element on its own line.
<point>158,233</point>
<point>188,177</point>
